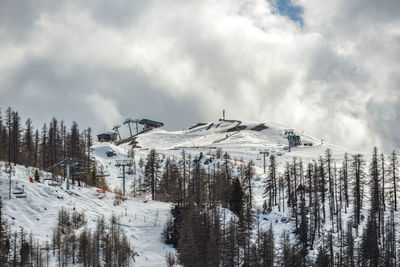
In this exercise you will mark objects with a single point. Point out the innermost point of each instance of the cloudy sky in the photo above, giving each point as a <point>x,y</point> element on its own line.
<point>330,68</point>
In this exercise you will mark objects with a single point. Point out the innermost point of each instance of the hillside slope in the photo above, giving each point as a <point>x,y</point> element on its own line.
<point>37,213</point>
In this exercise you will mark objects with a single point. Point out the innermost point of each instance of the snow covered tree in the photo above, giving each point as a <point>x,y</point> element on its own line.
<point>151,170</point>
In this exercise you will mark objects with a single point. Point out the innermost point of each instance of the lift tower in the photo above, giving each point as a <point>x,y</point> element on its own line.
<point>265,154</point>
<point>123,164</point>
<point>289,133</point>
<point>68,163</point>
<point>116,128</point>
<point>129,121</point>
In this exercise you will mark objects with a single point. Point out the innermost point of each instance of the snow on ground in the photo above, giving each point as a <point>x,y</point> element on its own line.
<point>235,137</point>
<point>37,213</point>
<point>143,222</point>
<point>107,164</point>
<point>243,145</point>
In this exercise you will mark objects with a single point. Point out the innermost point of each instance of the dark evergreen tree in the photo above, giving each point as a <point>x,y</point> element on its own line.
<point>369,245</point>
<point>5,238</point>
<point>358,178</point>
<point>394,178</point>
<point>349,259</point>
<point>28,144</point>
<point>374,184</point>
<point>302,231</point>
<point>237,198</point>
<point>151,173</point>
<point>323,257</point>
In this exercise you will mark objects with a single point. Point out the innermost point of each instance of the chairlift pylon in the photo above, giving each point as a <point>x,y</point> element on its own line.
<point>120,175</point>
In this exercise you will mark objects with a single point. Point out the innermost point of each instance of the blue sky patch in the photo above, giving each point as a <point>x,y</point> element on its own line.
<point>287,8</point>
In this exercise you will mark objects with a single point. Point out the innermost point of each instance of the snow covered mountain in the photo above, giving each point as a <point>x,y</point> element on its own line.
<point>242,140</point>
<point>143,222</point>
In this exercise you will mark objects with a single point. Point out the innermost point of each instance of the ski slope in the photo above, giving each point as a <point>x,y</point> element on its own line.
<point>243,143</point>
<point>37,213</point>
<point>235,137</point>
<point>143,222</point>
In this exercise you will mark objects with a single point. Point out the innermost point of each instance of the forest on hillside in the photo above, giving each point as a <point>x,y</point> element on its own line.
<point>21,143</point>
<point>341,213</point>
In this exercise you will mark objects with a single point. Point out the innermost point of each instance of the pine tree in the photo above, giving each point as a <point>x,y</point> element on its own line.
<point>394,178</point>
<point>302,231</point>
<point>16,138</point>
<point>328,160</point>
<point>5,244</point>
<point>43,147</point>
<point>28,144</point>
<point>349,243</point>
<point>270,185</point>
<point>369,245</point>
<point>9,125</point>
<point>358,177</point>
<point>151,173</point>
<point>374,183</point>
<point>36,150</point>
<point>323,258</point>
<point>322,183</point>
<point>345,180</point>
<point>267,249</point>
<point>247,183</point>
<point>237,198</point>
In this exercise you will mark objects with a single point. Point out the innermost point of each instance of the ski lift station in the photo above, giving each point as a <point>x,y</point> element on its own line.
<point>150,124</point>
<point>294,140</point>
<point>107,137</point>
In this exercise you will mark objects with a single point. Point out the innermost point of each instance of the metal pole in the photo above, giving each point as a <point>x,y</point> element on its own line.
<point>130,131</point>
<point>123,164</point>
<point>68,165</point>
<point>265,154</point>
<point>123,178</point>
<point>265,169</point>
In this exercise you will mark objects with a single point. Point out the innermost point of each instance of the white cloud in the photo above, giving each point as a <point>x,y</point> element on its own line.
<point>104,110</point>
<point>182,61</point>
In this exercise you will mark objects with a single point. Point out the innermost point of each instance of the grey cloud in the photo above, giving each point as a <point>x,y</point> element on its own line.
<point>184,61</point>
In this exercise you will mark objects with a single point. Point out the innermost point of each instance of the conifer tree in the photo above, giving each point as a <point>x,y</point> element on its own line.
<point>302,231</point>
<point>374,183</point>
<point>358,177</point>
<point>237,197</point>
<point>394,178</point>
<point>151,170</point>
<point>349,258</point>
<point>369,245</point>
<point>247,183</point>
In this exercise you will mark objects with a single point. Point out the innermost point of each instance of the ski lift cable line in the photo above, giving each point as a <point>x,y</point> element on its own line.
<point>55,165</point>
